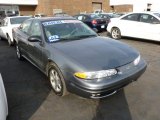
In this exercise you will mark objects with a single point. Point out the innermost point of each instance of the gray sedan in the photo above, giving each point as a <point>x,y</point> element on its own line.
<point>75,58</point>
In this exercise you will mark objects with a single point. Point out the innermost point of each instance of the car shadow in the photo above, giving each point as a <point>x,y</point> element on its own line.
<point>142,40</point>
<point>26,87</point>
<point>114,107</point>
<point>30,96</point>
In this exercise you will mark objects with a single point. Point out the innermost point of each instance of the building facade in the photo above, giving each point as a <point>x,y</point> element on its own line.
<point>22,7</point>
<point>50,7</point>
<point>70,7</point>
<point>135,5</point>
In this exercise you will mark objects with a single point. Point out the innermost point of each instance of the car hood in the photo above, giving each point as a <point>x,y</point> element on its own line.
<point>97,53</point>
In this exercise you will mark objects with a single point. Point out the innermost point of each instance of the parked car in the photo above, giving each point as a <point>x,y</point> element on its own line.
<point>120,14</point>
<point>98,11</point>
<point>93,21</point>
<point>76,59</point>
<point>39,15</point>
<point>8,24</point>
<point>3,101</point>
<point>107,16</point>
<point>145,25</point>
<point>61,15</point>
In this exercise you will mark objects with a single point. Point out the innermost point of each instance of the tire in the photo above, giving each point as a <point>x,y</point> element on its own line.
<point>56,80</point>
<point>116,33</point>
<point>10,43</point>
<point>18,53</point>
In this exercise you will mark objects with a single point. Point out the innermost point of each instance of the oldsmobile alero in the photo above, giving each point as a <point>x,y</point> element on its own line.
<point>75,58</point>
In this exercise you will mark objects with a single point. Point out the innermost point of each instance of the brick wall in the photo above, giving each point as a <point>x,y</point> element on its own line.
<point>122,8</point>
<point>71,7</point>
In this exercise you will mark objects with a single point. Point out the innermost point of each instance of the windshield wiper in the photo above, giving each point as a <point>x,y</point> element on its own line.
<point>75,37</point>
<point>85,36</point>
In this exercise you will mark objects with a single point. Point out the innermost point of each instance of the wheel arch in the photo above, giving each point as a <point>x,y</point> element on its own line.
<point>49,66</point>
<point>115,27</point>
<point>50,61</point>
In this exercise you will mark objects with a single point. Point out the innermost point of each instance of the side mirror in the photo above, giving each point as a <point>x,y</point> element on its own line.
<point>20,27</point>
<point>34,39</point>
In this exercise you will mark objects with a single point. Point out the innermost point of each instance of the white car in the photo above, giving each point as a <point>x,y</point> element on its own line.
<point>144,25</point>
<point>3,101</point>
<point>8,24</point>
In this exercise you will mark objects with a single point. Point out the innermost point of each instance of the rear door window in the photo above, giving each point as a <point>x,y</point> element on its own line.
<point>146,18</point>
<point>131,17</point>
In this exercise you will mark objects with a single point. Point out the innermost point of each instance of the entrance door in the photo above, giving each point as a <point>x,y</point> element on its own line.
<point>96,6</point>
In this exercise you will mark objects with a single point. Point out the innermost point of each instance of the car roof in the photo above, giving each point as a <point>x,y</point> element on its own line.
<point>143,12</point>
<point>87,14</point>
<point>54,18</point>
<point>147,12</point>
<point>17,16</point>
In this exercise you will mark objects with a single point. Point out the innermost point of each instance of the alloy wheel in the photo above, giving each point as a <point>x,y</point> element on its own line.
<point>116,34</point>
<point>55,81</point>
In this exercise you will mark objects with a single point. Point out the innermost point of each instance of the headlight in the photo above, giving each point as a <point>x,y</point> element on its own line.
<point>136,61</point>
<point>96,74</point>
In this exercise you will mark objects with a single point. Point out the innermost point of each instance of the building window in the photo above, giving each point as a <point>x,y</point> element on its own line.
<point>149,6</point>
<point>112,8</point>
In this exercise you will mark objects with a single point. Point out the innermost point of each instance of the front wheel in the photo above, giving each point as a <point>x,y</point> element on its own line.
<point>57,81</point>
<point>116,33</point>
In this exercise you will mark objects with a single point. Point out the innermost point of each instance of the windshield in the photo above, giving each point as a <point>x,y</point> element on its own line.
<point>93,16</point>
<point>18,20</point>
<point>66,30</point>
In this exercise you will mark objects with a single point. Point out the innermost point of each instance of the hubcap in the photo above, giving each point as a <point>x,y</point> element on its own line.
<point>115,33</point>
<point>18,53</point>
<point>55,81</point>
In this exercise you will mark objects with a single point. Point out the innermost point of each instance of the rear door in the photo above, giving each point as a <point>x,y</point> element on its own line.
<point>85,19</point>
<point>150,27</point>
<point>129,25</point>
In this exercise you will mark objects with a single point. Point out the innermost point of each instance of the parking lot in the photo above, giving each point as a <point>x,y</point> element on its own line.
<point>31,98</point>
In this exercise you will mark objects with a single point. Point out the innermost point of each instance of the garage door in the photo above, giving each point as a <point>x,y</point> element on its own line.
<point>97,6</point>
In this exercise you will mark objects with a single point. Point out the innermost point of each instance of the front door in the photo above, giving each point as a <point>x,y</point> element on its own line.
<point>35,49</point>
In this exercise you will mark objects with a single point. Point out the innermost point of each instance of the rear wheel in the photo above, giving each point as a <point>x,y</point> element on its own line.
<point>116,33</point>
<point>56,80</point>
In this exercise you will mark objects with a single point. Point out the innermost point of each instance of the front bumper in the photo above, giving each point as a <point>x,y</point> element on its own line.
<point>105,87</point>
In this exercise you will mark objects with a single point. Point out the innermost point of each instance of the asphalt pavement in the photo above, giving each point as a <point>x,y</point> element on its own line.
<point>31,98</point>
